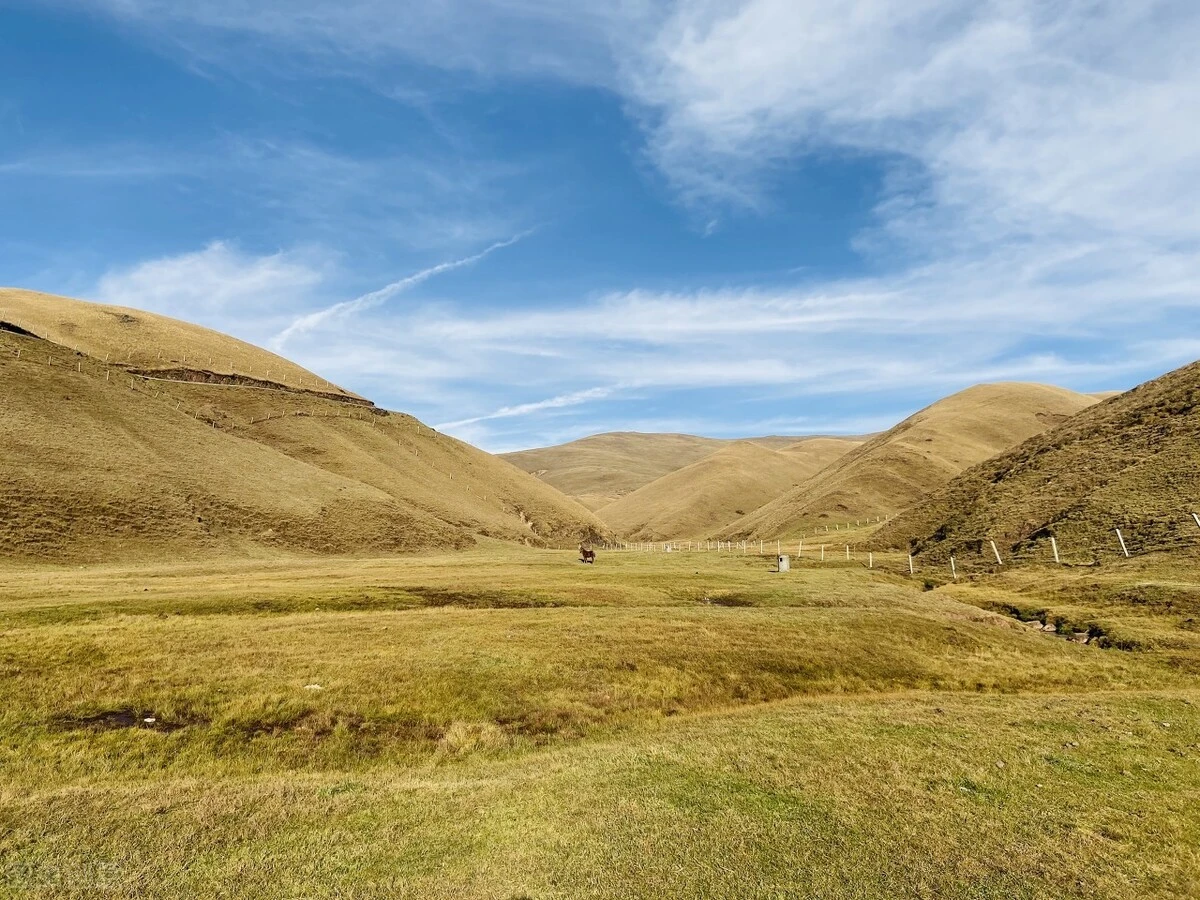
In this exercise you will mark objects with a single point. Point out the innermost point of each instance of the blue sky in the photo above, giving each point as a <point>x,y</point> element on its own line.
<point>528,220</point>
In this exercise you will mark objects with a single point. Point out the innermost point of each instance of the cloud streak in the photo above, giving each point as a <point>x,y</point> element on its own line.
<point>524,409</point>
<point>370,300</point>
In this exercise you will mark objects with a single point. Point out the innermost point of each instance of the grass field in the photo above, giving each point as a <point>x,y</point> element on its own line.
<point>509,723</point>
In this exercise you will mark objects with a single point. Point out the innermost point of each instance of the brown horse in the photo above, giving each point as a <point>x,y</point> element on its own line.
<point>587,556</point>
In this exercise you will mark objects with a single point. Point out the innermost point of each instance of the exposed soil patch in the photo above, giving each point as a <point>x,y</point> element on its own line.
<point>203,376</point>
<point>1061,626</point>
<point>16,329</point>
<point>115,719</point>
<point>729,600</point>
<point>483,599</point>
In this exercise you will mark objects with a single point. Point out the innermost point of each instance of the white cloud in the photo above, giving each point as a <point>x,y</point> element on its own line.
<point>219,282</point>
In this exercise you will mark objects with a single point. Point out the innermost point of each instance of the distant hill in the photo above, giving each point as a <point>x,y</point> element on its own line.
<point>893,470</point>
<point>1131,462</point>
<point>150,458</point>
<point>694,501</point>
<point>599,469</point>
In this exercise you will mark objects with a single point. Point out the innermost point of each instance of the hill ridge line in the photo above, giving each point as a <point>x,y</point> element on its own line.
<point>237,381</point>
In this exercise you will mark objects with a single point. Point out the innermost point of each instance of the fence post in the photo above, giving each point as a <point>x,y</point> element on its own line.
<point>1054,546</point>
<point>1197,518</point>
<point>999,561</point>
<point>847,551</point>
<point>1124,549</point>
<point>953,569</point>
<point>910,565</point>
<point>822,553</point>
<point>870,560</point>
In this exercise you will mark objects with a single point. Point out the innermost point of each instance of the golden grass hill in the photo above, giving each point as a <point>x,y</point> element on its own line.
<point>1131,462</point>
<point>129,434</point>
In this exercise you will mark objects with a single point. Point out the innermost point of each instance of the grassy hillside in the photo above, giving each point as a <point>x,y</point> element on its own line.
<point>599,469</point>
<point>148,342</point>
<point>698,499</point>
<point>100,463</point>
<point>1131,462</point>
<point>894,470</point>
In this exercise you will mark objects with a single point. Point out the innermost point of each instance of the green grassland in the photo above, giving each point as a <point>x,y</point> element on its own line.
<point>507,722</point>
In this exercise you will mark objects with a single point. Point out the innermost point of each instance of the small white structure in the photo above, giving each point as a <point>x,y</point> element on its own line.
<point>785,563</point>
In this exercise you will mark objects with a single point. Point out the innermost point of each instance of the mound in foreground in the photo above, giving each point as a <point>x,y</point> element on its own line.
<point>104,460</point>
<point>1132,462</point>
<point>894,470</point>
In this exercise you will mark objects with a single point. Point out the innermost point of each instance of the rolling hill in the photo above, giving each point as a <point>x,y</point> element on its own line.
<point>695,501</point>
<point>599,469</point>
<point>1131,462</point>
<point>894,470</point>
<point>150,458</point>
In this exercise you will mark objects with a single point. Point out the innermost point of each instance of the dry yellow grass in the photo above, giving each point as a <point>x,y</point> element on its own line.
<point>695,501</point>
<point>100,464</point>
<point>894,470</point>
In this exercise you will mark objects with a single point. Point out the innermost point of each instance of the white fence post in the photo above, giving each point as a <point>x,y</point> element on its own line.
<point>870,560</point>
<point>1120,538</point>
<point>953,569</point>
<point>822,553</point>
<point>999,561</point>
<point>1054,546</point>
<point>910,565</point>
<point>1197,518</point>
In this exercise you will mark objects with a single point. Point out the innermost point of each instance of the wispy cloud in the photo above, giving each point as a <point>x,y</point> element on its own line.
<point>217,283</point>
<point>370,300</point>
<point>1038,219</point>
<point>524,409</point>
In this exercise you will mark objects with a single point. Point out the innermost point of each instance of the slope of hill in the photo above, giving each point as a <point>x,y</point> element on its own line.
<point>694,501</point>
<point>1131,462</point>
<point>599,469</point>
<point>145,341</point>
<point>894,470</point>
<point>104,461</point>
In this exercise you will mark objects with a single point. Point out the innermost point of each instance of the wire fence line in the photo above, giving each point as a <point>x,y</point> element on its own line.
<point>983,556</point>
